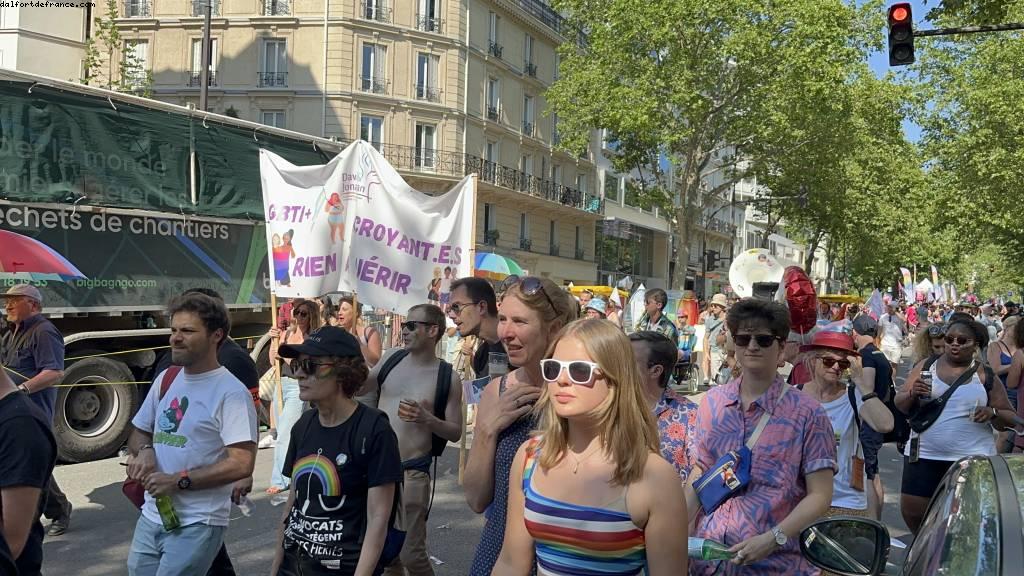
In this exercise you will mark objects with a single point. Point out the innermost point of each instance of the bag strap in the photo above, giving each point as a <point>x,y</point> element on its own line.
<point>443,389</point>
<point>389,365</point>
<point>764,421</point>
<point>165,383</point>
<point>963,379</point>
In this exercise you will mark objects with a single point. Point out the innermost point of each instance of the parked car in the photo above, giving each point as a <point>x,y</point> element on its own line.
<point>973,527</point>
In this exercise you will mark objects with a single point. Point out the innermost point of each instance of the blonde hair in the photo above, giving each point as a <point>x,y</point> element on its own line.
<point>626,427</point>
<point>315,319</point>
<point>561,310</point>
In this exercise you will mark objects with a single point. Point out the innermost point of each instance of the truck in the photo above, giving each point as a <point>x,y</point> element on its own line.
<point>145,199</point>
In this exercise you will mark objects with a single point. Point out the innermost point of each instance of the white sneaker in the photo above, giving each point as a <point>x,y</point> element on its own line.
<point>267,441</point>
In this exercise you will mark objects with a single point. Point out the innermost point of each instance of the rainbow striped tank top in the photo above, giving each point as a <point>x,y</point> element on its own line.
<point>574,540</point>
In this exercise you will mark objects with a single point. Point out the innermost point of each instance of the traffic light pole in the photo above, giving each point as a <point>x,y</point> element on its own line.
<point>968,30</point>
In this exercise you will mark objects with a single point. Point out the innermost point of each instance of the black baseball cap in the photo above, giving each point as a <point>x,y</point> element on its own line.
<point>327,341</point>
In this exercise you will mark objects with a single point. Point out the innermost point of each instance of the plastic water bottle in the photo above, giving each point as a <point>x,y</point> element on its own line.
<point>245,506</point>
<point>168,516</point>
<point>707,549</point>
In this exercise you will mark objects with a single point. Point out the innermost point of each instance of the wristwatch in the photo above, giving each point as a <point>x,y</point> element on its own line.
<point>184,482</point>
<point>23,388</point>
<point>780,536</point>
<point>868,396</point>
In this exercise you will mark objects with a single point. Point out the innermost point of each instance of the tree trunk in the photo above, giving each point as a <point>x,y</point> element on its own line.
<point>811,249</point>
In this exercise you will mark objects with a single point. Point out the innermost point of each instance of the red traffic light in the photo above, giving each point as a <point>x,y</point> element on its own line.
<point>899,13</point>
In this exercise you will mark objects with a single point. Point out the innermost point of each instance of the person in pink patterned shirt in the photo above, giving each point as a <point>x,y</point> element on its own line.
<point>793,461</point>
<point>676,415</point>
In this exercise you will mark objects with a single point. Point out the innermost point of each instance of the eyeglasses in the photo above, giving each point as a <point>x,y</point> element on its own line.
<point>831,362</point>
<point>302,314</point>
<point>580,372</point>
<point>307,365</point>
<point>529,286</point>
<point>937,330</point>
<point>457,307</point>
<point>958,340</point>
<point>410,325</point>
<point>763,340</point>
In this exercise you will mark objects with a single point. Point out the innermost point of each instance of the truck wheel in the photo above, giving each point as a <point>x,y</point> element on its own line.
<point>92,419</point>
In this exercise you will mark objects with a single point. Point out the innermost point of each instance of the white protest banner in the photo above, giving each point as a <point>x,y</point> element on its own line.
<point>354,224</point>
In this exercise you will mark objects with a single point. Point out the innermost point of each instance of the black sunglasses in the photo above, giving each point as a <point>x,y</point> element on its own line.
<point>411,325</point>
<point>580,372</point>
<point>959,340</point>
<point>936,330</point>
<point>830,362</point>
<point>529,286</point>
<point>763,340</point>
<point>307,365</point>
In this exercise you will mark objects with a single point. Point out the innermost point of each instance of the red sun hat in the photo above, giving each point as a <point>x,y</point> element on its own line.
<point>835,341</point>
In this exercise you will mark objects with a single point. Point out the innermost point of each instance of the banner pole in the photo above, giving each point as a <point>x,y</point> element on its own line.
<point>278,390</point>
<point>465,404</point>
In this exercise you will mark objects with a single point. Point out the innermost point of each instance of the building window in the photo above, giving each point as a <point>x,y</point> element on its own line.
<point>197,62</point>
<point>611,188</point>
<point>528,115</point>
<point>555,138</point>
<point>558,61</point>
<point>553,238</point>
<point>581,182</point>
<point>524,227</point>
<point>376,10</point>
<point>427,16</point>
<point>276,7</point>
<point>275,64</point>
<point>493,99</point>
<point>425,146</point>
<point>135,65</point>
<point>274,118</point>
<point>556,174</point>
<point>490,217</point>
<point>493,40</point>
<point>374,56</point>
<point>578,246</point>
<point>371,129</point>
<point>137,8</point>
<point>426,77</point>
<point>528,66</point>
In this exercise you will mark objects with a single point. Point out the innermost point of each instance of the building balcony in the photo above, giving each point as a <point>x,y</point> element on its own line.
<point>544,13</point>
<point>493,113</point>
<point>272,79</point>
<point>194,79</point>
<point>277,8</point>
<point>375,11</point>
<point>580,253</point>
<point>427,93</point>
<point>530,69</point>
<point>199,8</point>
<point>138,9</point>
<point>525,244</point>
<point>373,85</point>
<point>491,237</point>
<point>553,250</point>
<point>429,24</point>
<point>494,49</point>
<point>456,165</point>
<point>528,129</point>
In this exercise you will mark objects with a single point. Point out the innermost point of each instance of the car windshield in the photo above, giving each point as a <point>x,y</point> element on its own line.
<point>960,533</point>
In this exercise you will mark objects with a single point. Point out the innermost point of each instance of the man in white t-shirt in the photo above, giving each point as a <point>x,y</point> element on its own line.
<point>894,330</point>
<point>191,444</point>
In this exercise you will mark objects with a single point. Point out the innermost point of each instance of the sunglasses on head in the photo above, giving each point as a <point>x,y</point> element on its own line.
<point>763,340</point>
<point>959,340</point>
<point>936,330</point>
<point>411,325</point>
<point>580,372</point>
<point>529,286</point>
<point>831,362</point>
<point>307,365</point>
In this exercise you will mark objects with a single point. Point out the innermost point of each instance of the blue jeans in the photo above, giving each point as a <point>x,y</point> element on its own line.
<point>186,551</point>
<point>285,417</point>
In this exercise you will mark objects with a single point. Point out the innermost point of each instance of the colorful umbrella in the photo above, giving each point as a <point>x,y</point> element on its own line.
<point>495,267</point>
<point>24,258</point>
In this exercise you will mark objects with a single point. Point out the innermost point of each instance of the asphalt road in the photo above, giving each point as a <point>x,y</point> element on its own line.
<point>103,521</point>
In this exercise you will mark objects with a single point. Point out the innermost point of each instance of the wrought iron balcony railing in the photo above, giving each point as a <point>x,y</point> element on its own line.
<point>530,68</point>
<point>525,244</point>
<point>376,11</point>
<point>138,8</point>
<point>493,113</point>
<point>528,128</point>
<point>374,85</point>
<point>199,8</point>
<point>580,253</point>
<point>553,250</point>
<point>428,93</point>
<point>277,8</point>
<point>194,79</point>
<point>272,79</point>
<point>429,24</point>
<point>494,49</point>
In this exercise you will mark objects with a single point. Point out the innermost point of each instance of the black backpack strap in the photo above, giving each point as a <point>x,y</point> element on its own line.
<point>443,390</point>
<point>853,404</point>
<point>389,365</point>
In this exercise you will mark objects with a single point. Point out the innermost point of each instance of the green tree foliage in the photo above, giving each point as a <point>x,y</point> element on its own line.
<point>102,66</point>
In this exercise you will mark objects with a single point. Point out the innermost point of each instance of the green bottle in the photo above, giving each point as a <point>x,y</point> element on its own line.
<point>167,514</point>
<point>707,549</point>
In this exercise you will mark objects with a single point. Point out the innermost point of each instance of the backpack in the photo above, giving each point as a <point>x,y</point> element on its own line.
<point>444,386</point>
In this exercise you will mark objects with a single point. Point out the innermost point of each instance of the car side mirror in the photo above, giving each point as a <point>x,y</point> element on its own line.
<point>846,545</point>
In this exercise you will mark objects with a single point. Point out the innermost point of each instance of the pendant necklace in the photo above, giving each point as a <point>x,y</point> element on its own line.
<point>576,467</point>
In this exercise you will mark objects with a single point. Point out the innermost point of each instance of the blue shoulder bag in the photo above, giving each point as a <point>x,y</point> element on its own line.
<point>731,473</point>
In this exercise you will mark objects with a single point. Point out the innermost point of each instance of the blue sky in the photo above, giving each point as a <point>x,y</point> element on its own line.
<point>880,60</point>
